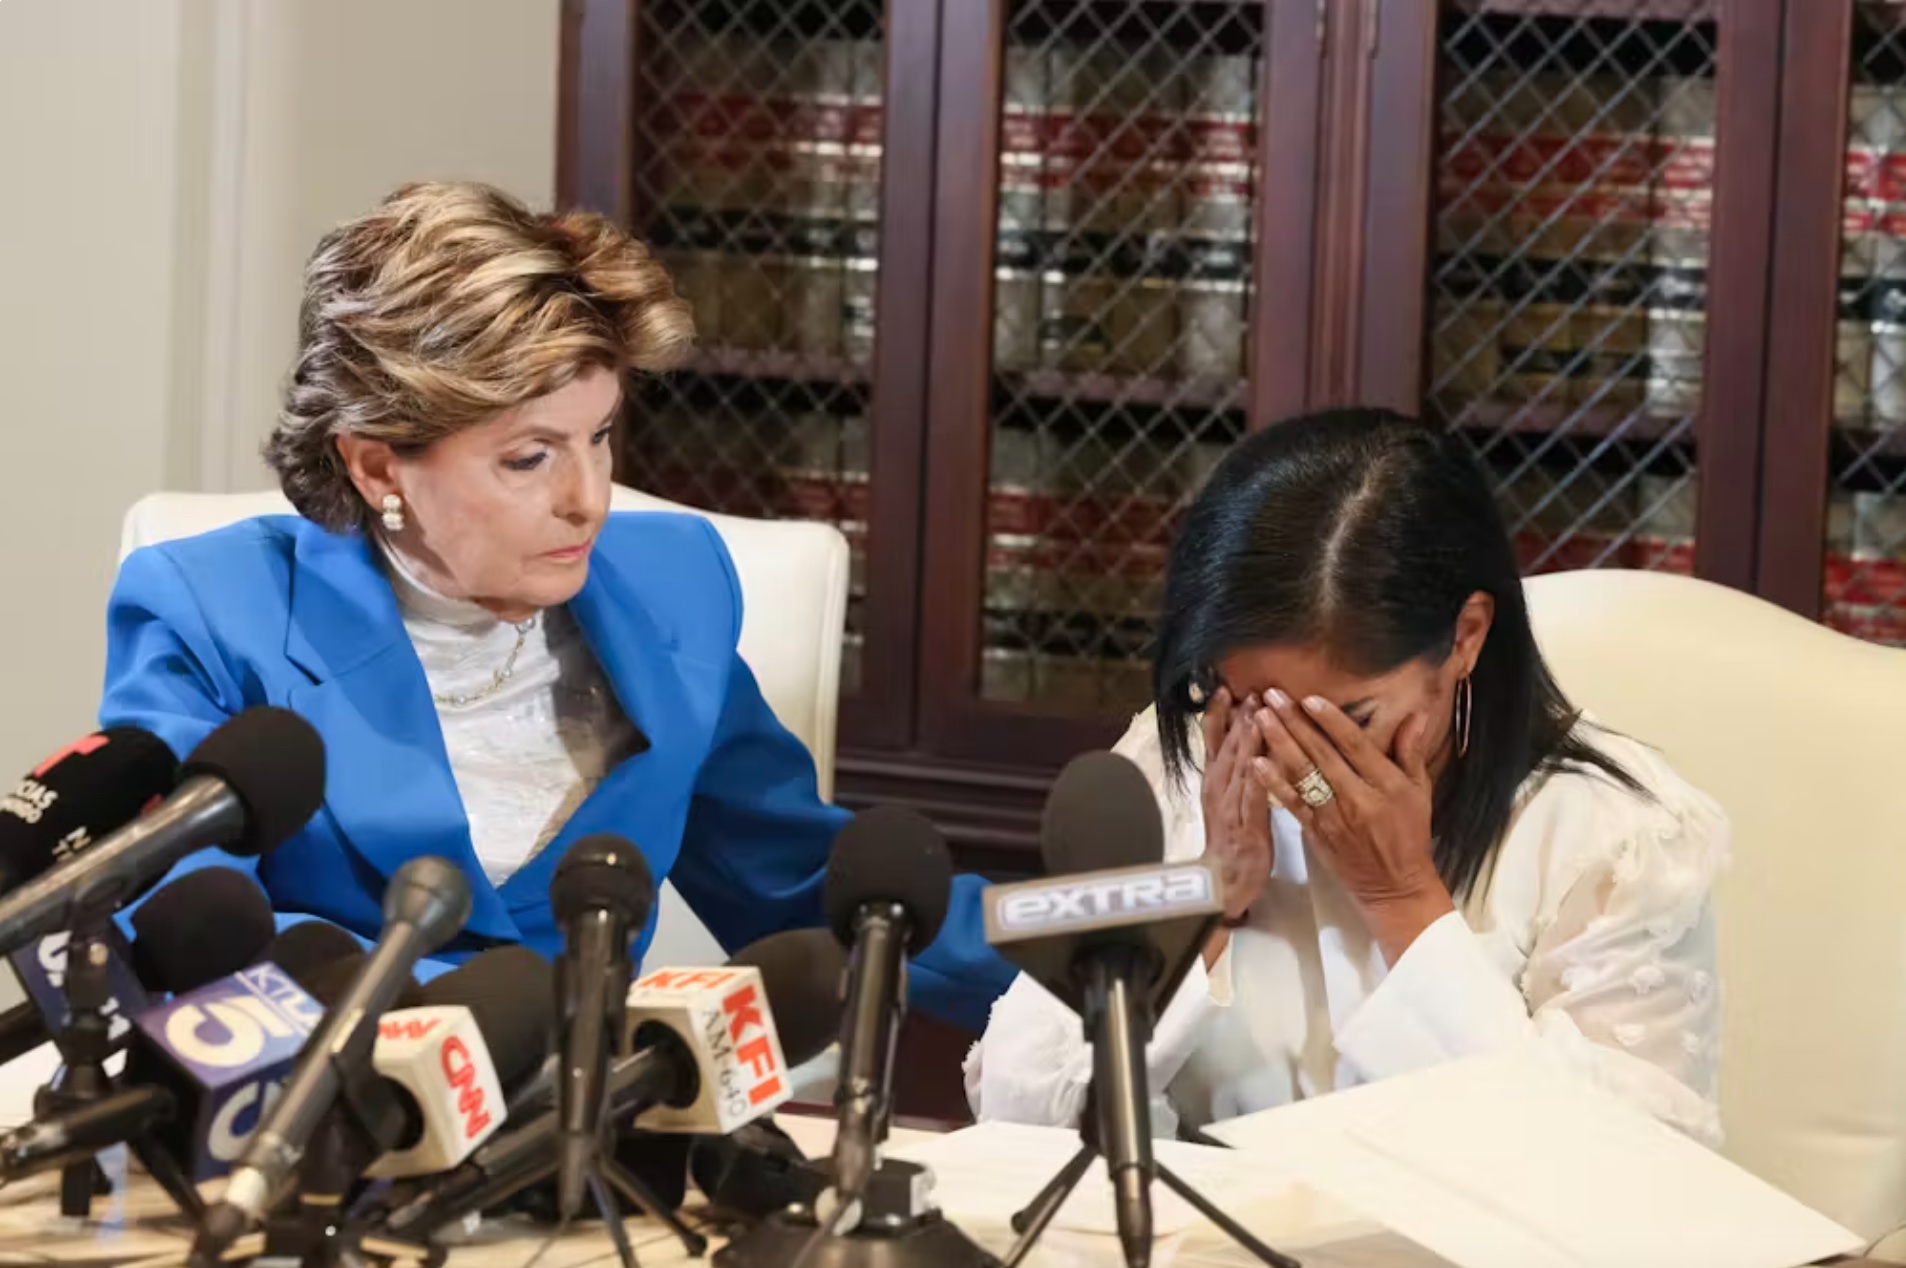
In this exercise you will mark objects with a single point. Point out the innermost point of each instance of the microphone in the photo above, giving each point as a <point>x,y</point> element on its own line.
<point>601,895</point>
<point>222,1052</point>
<point>667,1081</point>
<point>889,880</point>
<point>200,1125</point>
<point>169,954</point>
<point>755,1170</point>
<point>86,790</point>
<point>425,904</point>
<point>482,1028</point>
<point>251,784</point>
<point>171,949</point>
<point>715,1061</point>
<point>320,957</point>
<point>1112,933</point>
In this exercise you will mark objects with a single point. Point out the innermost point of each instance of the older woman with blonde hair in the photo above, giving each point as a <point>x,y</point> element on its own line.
<point>496,663</point>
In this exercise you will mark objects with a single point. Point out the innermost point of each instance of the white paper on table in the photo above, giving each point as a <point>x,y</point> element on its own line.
<point>21,1079</point>
<point>984,1174</point>
<point>1513,1162</point>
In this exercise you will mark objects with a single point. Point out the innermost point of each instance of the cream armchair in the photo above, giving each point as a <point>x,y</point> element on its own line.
<point>1800,733</point>
<point>794,581</point>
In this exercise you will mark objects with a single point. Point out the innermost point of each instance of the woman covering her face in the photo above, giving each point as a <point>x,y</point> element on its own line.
<point>1426,852</point>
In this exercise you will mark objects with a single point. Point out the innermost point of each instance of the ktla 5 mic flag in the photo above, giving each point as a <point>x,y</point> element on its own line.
<point>722,1016</point>
<point>227,1049</point>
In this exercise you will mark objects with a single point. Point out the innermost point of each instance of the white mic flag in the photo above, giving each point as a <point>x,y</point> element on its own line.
<point>437,1055</point>
<point>721,1016</point>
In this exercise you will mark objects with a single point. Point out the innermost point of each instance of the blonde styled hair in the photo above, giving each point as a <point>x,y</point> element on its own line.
<point>446,305</point>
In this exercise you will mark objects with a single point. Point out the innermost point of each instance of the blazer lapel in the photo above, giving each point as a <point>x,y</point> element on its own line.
<point>388,782</point>
<point>673,698</point>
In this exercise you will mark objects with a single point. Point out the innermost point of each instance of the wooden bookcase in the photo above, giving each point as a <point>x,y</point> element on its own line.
<point>992,283</point>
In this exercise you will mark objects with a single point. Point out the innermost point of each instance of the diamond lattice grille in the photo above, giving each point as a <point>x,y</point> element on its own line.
<point>1866,520</point>
<point>1569,291</point>
<point>758,183</point>
<point>1128,172</point>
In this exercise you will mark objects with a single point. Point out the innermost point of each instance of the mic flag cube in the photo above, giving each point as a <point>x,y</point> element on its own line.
<point>721,1016</point>
<point>1041,925</point>
<point>41,967</point>
<point>438,1056</point>
<point>225,1050</point>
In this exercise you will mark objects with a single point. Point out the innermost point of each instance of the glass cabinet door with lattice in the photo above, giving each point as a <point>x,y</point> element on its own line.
<point>1109,269</point>
<point>762,169</point>
<point>1591,316</point>
<point>1834,544</point>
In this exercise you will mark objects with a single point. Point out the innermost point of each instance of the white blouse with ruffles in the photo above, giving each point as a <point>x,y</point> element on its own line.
<point>1593,934</point>
<point>527,756</point>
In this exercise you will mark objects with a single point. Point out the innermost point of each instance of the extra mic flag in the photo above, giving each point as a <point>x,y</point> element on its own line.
<point>1042,925</point>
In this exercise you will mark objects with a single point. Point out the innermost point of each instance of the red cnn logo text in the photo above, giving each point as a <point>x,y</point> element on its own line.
<point>460,1069</point>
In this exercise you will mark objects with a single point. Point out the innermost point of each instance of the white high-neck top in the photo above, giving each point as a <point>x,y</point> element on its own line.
<point>527,756</point>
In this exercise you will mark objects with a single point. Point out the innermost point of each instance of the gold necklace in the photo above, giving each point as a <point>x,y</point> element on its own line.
<point>497,679</point>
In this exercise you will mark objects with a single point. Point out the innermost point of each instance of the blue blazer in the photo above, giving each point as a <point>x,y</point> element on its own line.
<point>722,802</point>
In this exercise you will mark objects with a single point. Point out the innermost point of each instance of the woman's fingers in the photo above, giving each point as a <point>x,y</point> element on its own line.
<point>1225,826</point>
<point>1313,749</point>
<point>1253,804</point>
<point>1217,723</point>
<point>1353,743</point>
<point>1412,748</point>
<point>1266,772</point>
<point>1292,762</point>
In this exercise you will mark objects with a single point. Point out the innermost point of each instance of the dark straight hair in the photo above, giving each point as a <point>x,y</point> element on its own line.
<point>1363,533</point>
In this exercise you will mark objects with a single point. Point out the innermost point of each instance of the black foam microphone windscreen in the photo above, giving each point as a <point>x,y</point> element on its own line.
<point>889,854</point>
<point>272,760</point>
<point>511,991</point>
<point>327,982</point>
<point>85,791</point>
<point>1101,814</point>
<point>801,974</point>
<point>198,928</point>
<point>309,946</point>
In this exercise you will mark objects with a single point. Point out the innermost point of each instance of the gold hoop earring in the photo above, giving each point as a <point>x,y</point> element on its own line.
<point>1465,705</point>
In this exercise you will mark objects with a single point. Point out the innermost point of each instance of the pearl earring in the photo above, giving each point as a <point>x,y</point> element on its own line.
<point>393,513</point>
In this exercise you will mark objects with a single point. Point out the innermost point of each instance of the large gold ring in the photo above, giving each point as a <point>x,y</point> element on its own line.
<point>1316,790</point>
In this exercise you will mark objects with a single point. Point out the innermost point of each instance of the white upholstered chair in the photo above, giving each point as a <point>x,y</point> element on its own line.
<point>794,580</point>
<point>1800,733</point>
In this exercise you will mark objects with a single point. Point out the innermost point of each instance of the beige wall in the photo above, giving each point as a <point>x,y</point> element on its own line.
<point>165,167</point>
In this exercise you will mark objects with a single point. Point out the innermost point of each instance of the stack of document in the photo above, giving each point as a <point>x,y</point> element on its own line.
<point>1500,1162</point>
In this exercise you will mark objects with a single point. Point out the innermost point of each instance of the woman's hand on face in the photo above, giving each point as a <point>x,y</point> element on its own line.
<point>1237,817</point>
<point>1374,834</point>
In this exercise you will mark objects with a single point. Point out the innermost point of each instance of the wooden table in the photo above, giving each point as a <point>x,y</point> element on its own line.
<point>138,1226</point>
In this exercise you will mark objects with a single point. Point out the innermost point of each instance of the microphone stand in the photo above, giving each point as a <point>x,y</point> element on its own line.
<point>539,1160</point>
<point>315,1225</point>
<point>893,1230</point>
<point>1032,1221</point>
<point>82,1081</point>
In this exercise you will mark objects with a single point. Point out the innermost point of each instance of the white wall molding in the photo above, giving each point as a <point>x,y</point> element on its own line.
<point>226,447</point>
